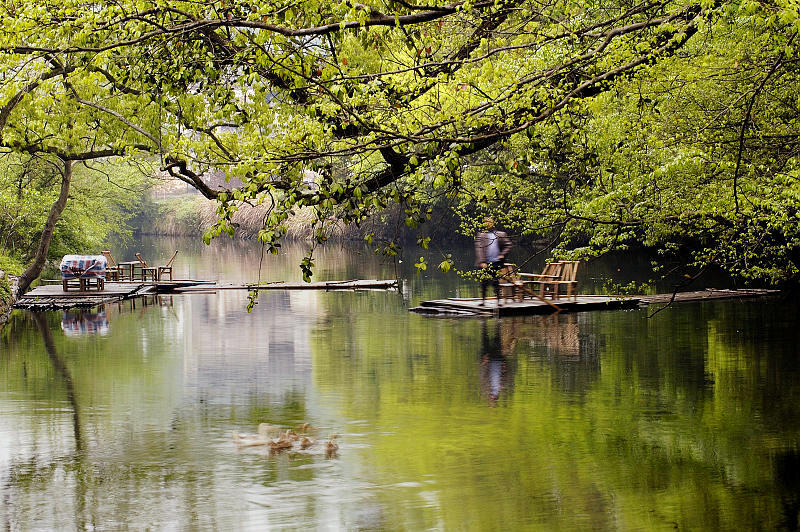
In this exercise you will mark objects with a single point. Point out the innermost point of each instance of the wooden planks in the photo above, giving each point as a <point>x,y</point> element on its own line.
<point>61,303</point>
<point>352,284</point>
<point>527,306</point>
<point>52,296</point>
<point>355,284</point>
<point>708,294</point>
<point>57,291</point>
<point>471,307</point>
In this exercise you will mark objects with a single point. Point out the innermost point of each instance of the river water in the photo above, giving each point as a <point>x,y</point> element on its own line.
<point>124,418</point>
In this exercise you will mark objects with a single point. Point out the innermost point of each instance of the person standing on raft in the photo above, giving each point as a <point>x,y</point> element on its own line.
<point>491,248</point>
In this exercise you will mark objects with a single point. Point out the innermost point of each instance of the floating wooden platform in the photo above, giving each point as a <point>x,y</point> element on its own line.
<point>472,307</point>
<point>708,294</point>
<point>53,296</point>
<point>354,284</point>
<point>517,308</point>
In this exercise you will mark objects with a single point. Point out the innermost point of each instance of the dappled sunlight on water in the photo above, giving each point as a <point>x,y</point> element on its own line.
<point>124,418</point>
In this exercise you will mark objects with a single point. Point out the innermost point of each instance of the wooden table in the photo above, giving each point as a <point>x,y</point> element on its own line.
<point>83,270</point>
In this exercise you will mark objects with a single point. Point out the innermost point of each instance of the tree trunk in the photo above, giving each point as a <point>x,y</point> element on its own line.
<point>37,265</point>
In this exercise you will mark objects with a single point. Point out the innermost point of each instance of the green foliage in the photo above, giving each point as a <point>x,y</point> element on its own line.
<point>598,127</point>
<point>10,264</point>
<point>695,156</point>
<point>252,299</point>
<point>632,288</point>
<point>421,265</point>
<point>102,198</point>
<point>5,290</point>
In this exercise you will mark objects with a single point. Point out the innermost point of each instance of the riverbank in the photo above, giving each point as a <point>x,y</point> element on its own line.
<point>8,287</point>
<point>191,215</point>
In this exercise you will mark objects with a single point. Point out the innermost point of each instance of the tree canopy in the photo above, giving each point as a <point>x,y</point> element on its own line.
<point>599,125</point>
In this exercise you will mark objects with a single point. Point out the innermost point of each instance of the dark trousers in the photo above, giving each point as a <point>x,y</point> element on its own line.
<point>493,269</point>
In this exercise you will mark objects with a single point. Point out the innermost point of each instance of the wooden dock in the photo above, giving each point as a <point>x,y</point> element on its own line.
<point>353,284</point>
<point>706,295</point>
<point>472,307</point>
<point>53,297</point>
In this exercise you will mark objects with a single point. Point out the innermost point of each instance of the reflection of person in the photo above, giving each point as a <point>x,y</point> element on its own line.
<point>491,248</point>
<point>494,366</point>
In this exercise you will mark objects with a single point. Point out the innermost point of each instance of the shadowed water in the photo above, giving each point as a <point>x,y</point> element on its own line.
<point>124,418</point>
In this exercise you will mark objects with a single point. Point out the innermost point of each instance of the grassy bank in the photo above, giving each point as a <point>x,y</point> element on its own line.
<point>9,269</point>
<point>192,215</point>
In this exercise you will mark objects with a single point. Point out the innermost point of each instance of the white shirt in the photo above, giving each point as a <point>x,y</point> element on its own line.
<point>493,249</point>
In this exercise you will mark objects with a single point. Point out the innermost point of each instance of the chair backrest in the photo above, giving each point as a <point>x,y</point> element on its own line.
<point>141,260</point>
<point>509,272</point>
<point>109,258</point>
<point>553,268</point>
<point>570,270</point>
<point>169,263</point>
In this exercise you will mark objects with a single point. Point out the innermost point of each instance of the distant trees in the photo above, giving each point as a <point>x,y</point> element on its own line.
<point>598,125</point>
<point>52,205</point>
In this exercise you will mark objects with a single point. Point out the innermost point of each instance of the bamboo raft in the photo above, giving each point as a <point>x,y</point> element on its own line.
<point>353,284</point>
<point>708,294</point>
<point>53,297</point>
<point>472,307</point>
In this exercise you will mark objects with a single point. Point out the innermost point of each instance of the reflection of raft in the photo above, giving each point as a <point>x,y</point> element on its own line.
<point>84,323</point>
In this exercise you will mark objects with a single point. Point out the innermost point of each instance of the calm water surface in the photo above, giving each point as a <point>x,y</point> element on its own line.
<point>604,420</point>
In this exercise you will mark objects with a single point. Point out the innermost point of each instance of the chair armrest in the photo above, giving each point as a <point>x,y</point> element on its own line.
<point>539,276</point>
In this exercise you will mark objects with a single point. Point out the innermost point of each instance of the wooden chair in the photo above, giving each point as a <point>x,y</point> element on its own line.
<point>510,282</point>
<point>147,271</point>
<point>167,269</point>
<point>114,271</point>
<point>543,282</point>
<point>568,280</point>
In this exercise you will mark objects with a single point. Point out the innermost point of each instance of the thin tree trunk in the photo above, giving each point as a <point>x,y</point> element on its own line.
<point>37,265</point>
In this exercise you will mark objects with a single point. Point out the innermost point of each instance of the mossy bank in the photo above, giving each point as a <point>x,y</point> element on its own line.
<point>7,291</point>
